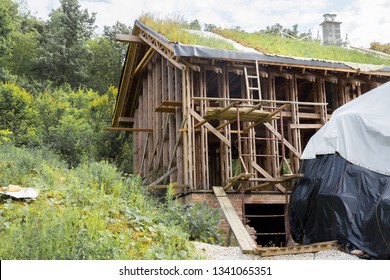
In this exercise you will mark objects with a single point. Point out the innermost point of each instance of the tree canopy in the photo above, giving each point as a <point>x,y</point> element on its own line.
<point>57,83</point>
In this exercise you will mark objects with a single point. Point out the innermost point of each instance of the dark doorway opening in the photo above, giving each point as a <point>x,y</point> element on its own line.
<point>269,222</point>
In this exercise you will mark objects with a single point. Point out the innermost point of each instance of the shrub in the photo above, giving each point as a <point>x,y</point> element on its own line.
<point>198,220</point>
<point>18,115</point>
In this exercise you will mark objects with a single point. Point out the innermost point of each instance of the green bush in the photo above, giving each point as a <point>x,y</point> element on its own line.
<point>18,115</point>
<point>198,220</point>
<point>29,166</point>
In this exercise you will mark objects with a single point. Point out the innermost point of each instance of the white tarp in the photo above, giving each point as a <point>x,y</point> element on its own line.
<point>359,131</point>
<point>23,193</point>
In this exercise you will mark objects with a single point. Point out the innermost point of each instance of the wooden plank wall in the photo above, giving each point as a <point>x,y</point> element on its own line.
<point>156,152</point>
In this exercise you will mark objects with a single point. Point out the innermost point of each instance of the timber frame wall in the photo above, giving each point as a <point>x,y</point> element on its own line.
<point>203,122</point>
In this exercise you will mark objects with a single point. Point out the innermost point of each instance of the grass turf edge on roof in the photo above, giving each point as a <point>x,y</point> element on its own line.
<point>175,29</point>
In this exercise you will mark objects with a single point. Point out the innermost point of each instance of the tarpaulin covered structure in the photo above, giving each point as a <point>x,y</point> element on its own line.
<point>345,192</point>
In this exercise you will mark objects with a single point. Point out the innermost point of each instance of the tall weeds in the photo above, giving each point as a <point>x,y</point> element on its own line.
<point>175,30</point>
<point>91,212</point>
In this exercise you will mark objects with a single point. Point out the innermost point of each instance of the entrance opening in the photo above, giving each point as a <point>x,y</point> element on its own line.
<point>269,222</point>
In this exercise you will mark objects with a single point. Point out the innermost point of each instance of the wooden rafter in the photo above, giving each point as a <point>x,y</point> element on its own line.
<point>163,48</point>
<point>144,61</point>
<point>125,83</point>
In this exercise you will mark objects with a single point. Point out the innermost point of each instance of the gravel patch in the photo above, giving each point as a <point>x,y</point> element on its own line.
<point>216,252</point>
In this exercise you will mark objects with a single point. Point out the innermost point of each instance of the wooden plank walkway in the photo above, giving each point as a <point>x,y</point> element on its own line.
<point>245,241</point>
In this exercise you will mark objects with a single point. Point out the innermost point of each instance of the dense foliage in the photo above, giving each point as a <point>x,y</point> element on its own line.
<point>57,92</point>
<point>88,212</point>
<point>61,50</point>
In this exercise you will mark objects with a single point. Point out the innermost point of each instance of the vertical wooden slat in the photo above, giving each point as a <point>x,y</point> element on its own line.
<point>204,138</point>
<point>180,115</point>
<point>185,133</point>
<point>172,125</point>
<point>165,96</point>
<point>228,150</point>
<point>149,120</point>
<point>273,144</point>
<point>137,150</point>
<point>296,139</point>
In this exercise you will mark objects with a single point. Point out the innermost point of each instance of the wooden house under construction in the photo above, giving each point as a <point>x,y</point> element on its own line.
<point>204,117</point>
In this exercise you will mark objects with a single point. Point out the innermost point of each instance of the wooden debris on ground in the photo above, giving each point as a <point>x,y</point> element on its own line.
<point>298,249</point>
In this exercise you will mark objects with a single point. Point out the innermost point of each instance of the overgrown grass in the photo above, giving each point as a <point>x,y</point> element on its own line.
<point>272,44</point>
<point>175,30</point>
<point>91,212</point>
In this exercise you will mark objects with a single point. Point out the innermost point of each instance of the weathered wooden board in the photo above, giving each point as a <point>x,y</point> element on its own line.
<point>311,248</point>
<point>247,244</point>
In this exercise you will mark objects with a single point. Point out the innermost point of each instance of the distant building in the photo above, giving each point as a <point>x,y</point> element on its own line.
<point>331,30</point>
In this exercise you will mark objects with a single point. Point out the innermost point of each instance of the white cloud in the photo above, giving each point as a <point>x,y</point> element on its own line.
<point>364,21</point>
<point>367,21</point>
<point>42,8</point>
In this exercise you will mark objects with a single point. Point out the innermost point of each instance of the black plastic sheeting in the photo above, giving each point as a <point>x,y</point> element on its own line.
<point>337,200</point>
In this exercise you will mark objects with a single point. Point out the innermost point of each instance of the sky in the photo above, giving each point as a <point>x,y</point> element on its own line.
<point>363,21</point>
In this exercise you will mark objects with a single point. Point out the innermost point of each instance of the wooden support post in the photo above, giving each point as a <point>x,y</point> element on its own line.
<point>179,122</point>
<point>150,107</point>
<point>172,125</point>
<point>226,149</point>
<point>203,133</point>
<point>296,133</point>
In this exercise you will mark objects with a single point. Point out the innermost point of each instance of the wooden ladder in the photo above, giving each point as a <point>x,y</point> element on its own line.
<point>249,85</point>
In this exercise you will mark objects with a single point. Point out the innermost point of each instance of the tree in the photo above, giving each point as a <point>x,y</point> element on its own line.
<point>279,30</point>
<point>64,54</point>
<point>209,27</point>
<point>19,34</point>
<point>24,46</point>
<point>376,46</point>
<point>195,25</point>
<point>110,32</point>
<point>105,67</point>
<point>8,20</point>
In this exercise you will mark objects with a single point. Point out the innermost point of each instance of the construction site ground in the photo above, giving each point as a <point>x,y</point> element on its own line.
<point>216,252</point>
